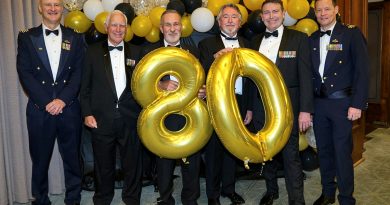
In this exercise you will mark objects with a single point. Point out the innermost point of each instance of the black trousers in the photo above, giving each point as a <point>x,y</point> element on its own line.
<point>189,170</point>
<point>104,146</point>
<point>44,129</point>
<point>333,133</point>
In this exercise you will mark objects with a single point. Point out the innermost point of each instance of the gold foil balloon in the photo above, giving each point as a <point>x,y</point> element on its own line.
<point>78,21</point>
<point>244,13</point>
<point>186,27</point>
<point>158,104</point>
<point>155,15</point>
<point>100,19</point>
<point>74,5</point>
<point>141,25</point>
<point>298,9</point>
<point>307,26</point>
<point>225,114</point>
<point>215,5</point>
<point>154,35</point>
<point>143,7</point>
<point>253,4</point>
<point>129,34</point>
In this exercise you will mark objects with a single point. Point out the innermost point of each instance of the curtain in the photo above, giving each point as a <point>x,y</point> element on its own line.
<point>15,163</point>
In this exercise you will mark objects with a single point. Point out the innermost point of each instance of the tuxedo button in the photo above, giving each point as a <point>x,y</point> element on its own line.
<point>340,62</point>
<point>38,68</point>
<point>52,84</point>
<point>43,82</point>
<point>331,86</point>
<point>55,83</point>
<point>70,68</point>
<point>64,81</point>
<point>325,78</point>
<point>335,74</point>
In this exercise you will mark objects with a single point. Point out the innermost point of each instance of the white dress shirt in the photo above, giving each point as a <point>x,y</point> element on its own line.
<point>53,47</point>
<point>118,68</point>
<point>269,47</point>
<point>324,42</point>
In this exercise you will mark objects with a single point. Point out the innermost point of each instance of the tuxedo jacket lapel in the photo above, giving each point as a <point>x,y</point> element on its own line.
<point>108,67</point>
<point>66,39</point>
<point>39,45</point>
<point>316,52</point>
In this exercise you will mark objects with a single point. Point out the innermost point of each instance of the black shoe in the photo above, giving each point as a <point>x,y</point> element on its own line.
<point>214,202</point>
<point>234,197</point>
<point>324,200</point>
<point>268,199</point>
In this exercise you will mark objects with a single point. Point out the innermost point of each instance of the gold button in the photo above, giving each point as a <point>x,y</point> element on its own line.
<point>325,78</point>
<point>69,67</point>
<point>335,73</point>
<point>43,82</point>
<point>340,62</point>
<point>331,86</point>
<point>38,68</point>
<point>64,81</point>
<point>55,83</point>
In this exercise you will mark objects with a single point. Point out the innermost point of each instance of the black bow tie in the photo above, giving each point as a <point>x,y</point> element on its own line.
<point>268,34</point>
<point>120,48</point>
<point>48,32</point>
<point>229,38</point>
<point>177,46</point>
<point>328,32</point>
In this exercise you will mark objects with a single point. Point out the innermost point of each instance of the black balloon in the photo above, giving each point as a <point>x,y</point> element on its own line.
<point>191,5</point>
<point>93,36</point>
<point>128,10</point>
<point>176,5</point>
<point>255,23</point>
<point>309,159</point>
<point>248,33</point>
<point>311,14</point>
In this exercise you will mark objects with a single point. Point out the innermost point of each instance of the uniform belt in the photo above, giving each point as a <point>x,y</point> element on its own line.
<point>336,95</point>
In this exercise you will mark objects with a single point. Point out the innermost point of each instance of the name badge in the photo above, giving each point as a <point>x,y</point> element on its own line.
<point>334,47</point>
<point>287,54</point>
<point>66,45</point>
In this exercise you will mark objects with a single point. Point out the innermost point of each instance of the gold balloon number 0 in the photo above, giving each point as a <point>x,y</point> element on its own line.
<point>225,114</point>
<point>158,104</point>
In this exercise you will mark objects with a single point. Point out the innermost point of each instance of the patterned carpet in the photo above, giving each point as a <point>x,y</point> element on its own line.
<point>372,180</point>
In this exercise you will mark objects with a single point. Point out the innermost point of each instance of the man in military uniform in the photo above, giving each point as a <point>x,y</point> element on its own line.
<point>49,64</point>
<point>340,71</point>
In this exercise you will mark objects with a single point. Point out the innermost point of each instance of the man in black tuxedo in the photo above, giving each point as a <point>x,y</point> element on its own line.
<point>340,79</point>
<point>289,50</point>
<point>170,27</point>
<point>49,64</point>
<point>111,112</point>
<point>220,164</point>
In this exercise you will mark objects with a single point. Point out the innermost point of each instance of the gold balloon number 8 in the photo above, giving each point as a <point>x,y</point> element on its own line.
<point>224,111</point>
<point>158,104</point>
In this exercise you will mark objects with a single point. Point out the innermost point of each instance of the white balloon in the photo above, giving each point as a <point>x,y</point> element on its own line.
<point>288,20</point>
<point>92,8</point>
<point>109,5</point>
<point>202,19</point>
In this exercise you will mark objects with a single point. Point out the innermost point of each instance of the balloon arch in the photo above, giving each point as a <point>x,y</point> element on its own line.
<point>88,16</point>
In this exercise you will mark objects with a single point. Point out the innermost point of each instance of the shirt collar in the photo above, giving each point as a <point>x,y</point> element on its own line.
<point>166,43</point>
<point>227,35</point>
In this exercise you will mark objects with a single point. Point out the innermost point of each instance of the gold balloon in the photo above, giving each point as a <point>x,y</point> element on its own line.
<point>225,114</point>
<point>129,34</point>
<point>158,104</point>
<point>186,27</point>
<point>78,21</point>
<point>154,35</point>
<point>141,25</point>
<point>244,13</point>
<point>298,9</point>
<point>215,5</point>
<point>99,22</point>
<point>285,3</point>
<point>155,15</point>
<point>302,141</point>
<point>253,4</point>
<point>307,26</point>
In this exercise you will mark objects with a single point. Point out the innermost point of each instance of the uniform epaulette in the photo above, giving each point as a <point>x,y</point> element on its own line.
<point>23,30</point>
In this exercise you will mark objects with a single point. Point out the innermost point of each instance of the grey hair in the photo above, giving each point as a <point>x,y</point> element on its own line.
<point>112,13</point>
<point>233,6</point>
